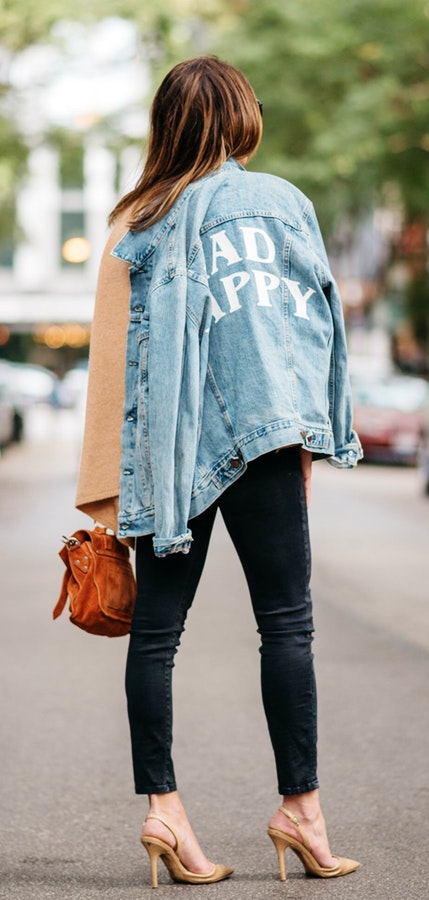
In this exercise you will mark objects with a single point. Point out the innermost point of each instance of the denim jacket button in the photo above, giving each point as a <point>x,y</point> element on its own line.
<point>234,464</point>
<point>303,434</point>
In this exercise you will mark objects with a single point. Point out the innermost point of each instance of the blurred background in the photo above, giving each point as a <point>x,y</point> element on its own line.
<point>345,90</point>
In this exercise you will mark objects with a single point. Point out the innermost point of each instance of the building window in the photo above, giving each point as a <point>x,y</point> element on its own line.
<point>6,253</point>
<point>7,233</point>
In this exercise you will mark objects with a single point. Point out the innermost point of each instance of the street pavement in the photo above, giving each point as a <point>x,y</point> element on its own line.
<point>69,820</point>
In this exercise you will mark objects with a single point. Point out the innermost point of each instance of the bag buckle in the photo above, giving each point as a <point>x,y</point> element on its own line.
<point>70,541</point>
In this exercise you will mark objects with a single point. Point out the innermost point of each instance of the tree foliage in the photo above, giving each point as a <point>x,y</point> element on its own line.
<point>167,31</point>
<point>345,87</point>
<point>344,83</point>
<point>13,156</point>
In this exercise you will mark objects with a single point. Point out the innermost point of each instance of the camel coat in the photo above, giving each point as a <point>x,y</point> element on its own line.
<point>98,483</point>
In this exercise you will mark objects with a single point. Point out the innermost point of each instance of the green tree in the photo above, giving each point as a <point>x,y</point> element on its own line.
<point>168,30</point>
<point>345,86</point>
<point>13,156</point>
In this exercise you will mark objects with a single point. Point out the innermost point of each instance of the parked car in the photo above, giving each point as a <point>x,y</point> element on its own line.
<point>29,383</point>
<point>424,459</point>
<point>73,387</point>
<point>11,409</point>
<point>390,416</point>
<point>7,420</point>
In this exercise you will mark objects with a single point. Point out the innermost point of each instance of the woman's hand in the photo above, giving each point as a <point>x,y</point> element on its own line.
<point>306,463</point>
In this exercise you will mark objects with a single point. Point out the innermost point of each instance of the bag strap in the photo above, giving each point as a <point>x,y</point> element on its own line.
<point>62,599</point>
<point>69,542</point>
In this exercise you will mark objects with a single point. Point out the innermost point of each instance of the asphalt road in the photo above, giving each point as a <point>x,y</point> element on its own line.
<point>69,820</point>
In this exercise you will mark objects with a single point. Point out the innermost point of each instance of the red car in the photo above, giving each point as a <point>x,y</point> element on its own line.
<point>390,417</point>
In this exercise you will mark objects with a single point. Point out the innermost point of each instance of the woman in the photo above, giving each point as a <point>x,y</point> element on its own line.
<point>218,372</point>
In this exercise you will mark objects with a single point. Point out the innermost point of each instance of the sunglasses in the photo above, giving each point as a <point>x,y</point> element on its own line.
<point>261,108</point>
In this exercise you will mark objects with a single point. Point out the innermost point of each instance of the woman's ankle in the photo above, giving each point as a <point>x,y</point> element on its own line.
<point>177,830</point>
<point>168,802</point>
<point>304,806</point>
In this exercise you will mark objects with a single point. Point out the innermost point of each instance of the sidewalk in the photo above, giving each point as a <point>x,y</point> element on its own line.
<point>69,820</point>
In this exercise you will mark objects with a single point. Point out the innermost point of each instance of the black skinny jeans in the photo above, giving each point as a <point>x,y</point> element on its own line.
<point>266,517</point>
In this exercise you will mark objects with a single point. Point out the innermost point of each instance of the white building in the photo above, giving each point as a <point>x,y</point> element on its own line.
<point>92,74</point>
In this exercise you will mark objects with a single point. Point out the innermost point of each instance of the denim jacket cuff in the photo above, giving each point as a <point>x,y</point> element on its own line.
<point>166,546</point>
<point>348,456</point>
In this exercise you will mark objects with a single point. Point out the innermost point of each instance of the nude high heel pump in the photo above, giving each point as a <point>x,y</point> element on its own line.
<point>171,859</point>
<point>282,841</point>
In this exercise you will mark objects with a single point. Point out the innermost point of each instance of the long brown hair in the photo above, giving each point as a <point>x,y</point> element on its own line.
<point>204,112</point>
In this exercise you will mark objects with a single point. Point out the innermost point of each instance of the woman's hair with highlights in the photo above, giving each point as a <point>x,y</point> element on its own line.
<point>204,112</point>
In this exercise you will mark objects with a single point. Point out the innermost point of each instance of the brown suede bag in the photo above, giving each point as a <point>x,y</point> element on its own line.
<point>99,581</point>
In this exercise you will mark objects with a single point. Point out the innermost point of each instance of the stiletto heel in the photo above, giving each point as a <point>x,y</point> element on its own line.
<point>154,852</point>
<point>170,856</point>
<point>280,847</point>
<point>283,841</point>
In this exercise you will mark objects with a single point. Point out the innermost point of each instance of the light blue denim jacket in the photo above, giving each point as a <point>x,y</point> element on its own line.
<point>235,347</point>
